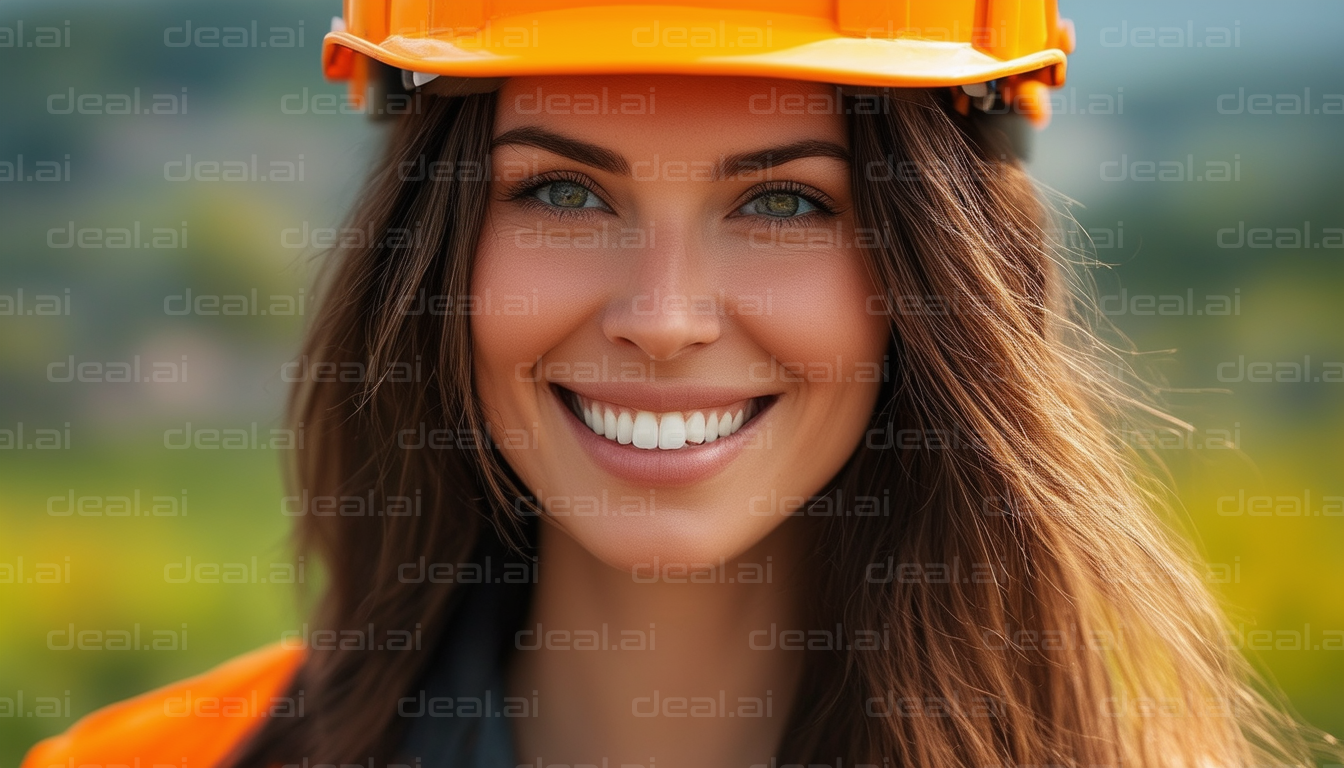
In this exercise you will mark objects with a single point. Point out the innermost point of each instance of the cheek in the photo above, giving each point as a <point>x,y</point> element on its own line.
<point>525,303</point>
<point>818,322</point>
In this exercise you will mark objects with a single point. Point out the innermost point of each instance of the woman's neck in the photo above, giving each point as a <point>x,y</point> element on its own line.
<point>660,667</point>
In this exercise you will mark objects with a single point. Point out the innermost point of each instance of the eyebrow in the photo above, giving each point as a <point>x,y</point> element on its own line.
<point>762,159</point>
<point>729,166</point>
<point>578,151</point>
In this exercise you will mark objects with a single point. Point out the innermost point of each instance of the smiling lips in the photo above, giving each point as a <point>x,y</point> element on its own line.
<point>667,431</point>
<point>663,437</point>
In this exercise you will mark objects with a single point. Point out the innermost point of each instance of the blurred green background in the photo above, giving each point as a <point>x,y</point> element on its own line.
<point>1167,91</point>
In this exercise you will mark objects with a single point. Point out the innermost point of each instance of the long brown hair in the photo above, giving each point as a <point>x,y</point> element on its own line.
<point>1066,623</point>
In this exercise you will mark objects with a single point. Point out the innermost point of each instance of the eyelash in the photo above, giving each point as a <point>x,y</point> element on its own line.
<point>825,206</point>
<point>524,194</point>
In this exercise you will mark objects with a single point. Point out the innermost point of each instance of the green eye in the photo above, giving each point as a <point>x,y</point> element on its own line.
<point>567,194</point>
<point>780,205</point>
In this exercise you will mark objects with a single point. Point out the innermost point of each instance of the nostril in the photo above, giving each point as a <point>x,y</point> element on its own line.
<point>664,349</point>
<point>662,329</point>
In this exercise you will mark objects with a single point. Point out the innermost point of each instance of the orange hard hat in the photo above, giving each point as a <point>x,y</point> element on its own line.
<point>1011,49</point>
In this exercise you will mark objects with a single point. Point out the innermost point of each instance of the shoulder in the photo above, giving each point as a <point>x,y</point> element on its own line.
<point>193,722</point>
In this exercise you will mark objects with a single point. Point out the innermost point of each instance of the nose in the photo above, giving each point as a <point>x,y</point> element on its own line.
<point>667,305</point>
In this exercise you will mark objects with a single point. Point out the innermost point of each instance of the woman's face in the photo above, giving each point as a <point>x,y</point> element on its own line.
<point>674,341</point>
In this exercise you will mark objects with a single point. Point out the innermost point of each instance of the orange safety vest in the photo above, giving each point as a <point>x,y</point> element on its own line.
<point>193,723</point>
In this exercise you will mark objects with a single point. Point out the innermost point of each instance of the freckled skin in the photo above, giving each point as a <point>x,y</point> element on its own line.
<point>769,311</point>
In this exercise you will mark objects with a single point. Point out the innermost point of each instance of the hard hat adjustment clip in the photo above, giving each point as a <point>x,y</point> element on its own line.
<point>983,94</point>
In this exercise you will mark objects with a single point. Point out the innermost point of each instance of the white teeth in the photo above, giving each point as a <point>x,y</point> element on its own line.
<point>667,431</point>
<point>695,428</point>
<point>711,428</point>
<point>671,432</point>
<point>646,430</point>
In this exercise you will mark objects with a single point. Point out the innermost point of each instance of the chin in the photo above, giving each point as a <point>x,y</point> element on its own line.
<point>670,536</point>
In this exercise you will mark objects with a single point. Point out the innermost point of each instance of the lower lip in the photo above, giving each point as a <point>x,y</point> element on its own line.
<point>683,466</point>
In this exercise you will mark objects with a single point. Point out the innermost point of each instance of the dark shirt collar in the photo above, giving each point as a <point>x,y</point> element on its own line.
<point>460,714</point>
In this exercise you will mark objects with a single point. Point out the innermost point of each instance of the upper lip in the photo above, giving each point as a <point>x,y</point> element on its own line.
<point>663,398</point>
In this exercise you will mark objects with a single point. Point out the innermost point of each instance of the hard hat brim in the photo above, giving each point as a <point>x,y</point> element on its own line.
<point>684,40</point>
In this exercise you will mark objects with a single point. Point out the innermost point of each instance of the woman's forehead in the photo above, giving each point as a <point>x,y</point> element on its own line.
<point>696,113</point>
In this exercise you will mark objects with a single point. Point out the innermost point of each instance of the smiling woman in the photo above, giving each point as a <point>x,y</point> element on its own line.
<point>789,448</point>
<point>704,435</point>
